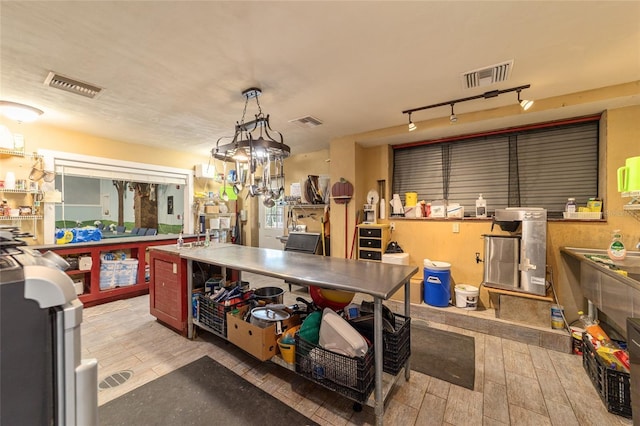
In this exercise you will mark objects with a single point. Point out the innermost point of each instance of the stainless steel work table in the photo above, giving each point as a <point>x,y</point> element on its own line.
<point>376,279</point>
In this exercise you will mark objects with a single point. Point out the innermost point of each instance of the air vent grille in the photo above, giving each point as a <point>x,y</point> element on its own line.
<point>72,85</point>
<point>306,121</point>
<point>487,75</point>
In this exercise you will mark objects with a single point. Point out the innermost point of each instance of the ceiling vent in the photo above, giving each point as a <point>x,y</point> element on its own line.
<point>487,75</point>
<point>71,85</point>
<point>306,121</point>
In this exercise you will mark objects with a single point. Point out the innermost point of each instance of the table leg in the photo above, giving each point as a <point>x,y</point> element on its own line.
<point>407,313</point>
<point>378,355</point>
<point>190,298</point>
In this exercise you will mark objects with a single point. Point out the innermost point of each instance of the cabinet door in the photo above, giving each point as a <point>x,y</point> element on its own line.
<point>167,291</point>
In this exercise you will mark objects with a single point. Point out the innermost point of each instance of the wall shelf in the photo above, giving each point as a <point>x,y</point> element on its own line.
<point>16,153</point>
<point>633,206</point>
<point>307,206</point>
<point>24,217</point>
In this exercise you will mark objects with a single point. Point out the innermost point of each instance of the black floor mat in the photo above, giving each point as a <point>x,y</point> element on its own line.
<point>200,393</point>
<point>443,354</point>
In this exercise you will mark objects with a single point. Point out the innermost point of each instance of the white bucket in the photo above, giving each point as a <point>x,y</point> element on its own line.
<point>467,297</point>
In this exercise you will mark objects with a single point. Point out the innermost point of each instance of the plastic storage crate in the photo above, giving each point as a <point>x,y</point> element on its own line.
<point>213,314</point>
<point>127,273</point>
<point>118,273</point>
<point>350,377</point>
<point>396,345</point>
<point>613,386</point>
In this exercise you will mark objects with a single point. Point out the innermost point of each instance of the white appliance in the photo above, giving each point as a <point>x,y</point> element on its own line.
<point>44,380</point>
<point>371,208</point>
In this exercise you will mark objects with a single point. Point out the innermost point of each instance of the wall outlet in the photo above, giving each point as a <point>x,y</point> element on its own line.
<point>456,228</point>
<point>392,226</point>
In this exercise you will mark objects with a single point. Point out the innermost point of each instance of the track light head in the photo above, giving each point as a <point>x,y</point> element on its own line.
<point>453,118</point>
<point>524,103</point>
<point>412,125</point>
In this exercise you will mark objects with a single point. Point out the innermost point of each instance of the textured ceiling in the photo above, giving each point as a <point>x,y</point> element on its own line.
<point>173,71</point>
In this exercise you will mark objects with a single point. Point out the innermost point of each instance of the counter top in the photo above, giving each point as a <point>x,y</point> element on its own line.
<point>111,241</point>
<point>631,264</point>
<point>373,278</point>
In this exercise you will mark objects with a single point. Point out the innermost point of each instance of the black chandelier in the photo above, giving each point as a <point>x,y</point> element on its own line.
<point>252,141</point>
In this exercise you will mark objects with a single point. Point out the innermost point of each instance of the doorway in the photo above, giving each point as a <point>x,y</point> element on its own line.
<point>271,226</point>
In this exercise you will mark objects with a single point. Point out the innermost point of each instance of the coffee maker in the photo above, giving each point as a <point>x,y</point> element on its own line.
<point>517,261</point>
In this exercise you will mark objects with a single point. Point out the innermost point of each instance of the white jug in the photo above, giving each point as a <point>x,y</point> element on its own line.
<point>396,205</point>
<point>10,181</point>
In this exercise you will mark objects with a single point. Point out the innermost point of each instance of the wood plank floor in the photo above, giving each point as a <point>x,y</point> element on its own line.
<point>515,383</point>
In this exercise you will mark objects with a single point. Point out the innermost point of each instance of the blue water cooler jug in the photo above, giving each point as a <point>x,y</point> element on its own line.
<point>437,283</point>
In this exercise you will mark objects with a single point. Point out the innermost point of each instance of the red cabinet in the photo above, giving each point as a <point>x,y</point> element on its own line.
<point>136,248</point>
<point>168,289</point>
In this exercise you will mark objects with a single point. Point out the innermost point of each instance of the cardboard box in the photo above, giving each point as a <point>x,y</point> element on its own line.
<point>416,292</point>
<point>438,210</point>
<point>259,342</point>
<point>455,210</point>
<point>84,263</point>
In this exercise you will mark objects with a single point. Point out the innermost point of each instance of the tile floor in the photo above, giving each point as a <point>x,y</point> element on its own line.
<point>516,383</point>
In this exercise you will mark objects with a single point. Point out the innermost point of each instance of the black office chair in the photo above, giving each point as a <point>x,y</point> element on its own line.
<point>142,231</point>
<point>151,231</point>
<point>120,229</point>
<point>135,230</point>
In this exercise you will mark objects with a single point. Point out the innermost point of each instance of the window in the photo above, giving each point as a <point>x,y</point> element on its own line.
<point>89,195</point>
<point>535,167</point>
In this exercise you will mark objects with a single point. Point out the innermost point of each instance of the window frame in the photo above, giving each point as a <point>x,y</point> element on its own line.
<point>588,128</point>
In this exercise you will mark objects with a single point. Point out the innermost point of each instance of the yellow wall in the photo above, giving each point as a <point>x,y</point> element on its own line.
<point>363,167</point>
<point>435,239</point>
<point>40,136</point>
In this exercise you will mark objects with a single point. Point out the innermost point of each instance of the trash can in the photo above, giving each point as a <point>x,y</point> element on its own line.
<point>437,279</point>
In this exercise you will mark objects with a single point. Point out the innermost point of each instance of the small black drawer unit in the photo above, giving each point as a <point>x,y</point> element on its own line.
<point>372,241</point>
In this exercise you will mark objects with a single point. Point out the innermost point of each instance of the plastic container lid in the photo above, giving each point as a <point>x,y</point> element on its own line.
<point>466,288</point>
<point>436,265</point>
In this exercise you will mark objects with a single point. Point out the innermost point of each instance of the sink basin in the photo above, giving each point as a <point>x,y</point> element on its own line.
<point>631,264</point>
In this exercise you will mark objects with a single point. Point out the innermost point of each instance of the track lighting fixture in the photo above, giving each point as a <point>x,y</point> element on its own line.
<point>412,126</point>
<point>525,103</point>
<point>19,112</point>
<point>453,118</point>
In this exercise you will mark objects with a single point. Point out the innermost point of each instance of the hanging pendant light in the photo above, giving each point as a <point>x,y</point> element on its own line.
<point>253,142</point>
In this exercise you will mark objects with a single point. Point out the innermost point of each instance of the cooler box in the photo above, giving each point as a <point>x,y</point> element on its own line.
<point>437,287</point>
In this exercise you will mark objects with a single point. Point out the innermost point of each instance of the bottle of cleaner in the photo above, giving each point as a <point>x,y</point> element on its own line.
<point>481,207</point>
<point>207,238</point>
<point>180,241</point>
<point>570,207</point>
<point>616,249</point>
